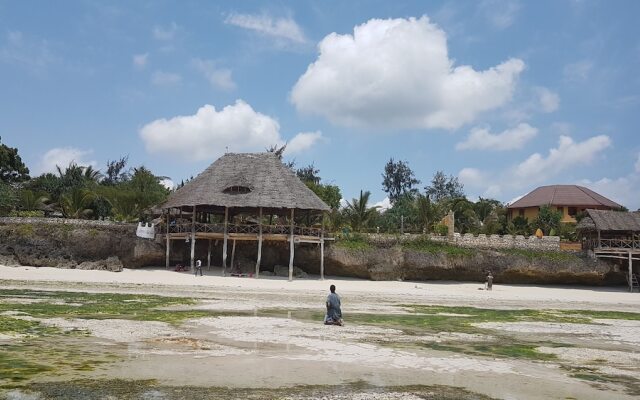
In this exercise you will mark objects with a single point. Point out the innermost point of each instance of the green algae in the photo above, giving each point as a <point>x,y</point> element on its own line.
<point>137,389</point>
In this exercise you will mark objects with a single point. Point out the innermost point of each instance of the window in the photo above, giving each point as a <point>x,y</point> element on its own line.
<point>521,212</point>
<point>573,211</point>
<point>237,190</point>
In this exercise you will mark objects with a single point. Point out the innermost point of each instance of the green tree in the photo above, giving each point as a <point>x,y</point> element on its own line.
<point>443,188</point>
<point>31,201</point>
<point>12,169</point>
<point>309,174</point>
<point>7,199</point>
<point>548,219</point>
<point>75,204</point>
<point>330,194</point>
<point>466,219</point>
<point>116,172</point>
<point>358,212</point>
<point>518,226</point>
<point>398,179</point>
<point>427,213</point>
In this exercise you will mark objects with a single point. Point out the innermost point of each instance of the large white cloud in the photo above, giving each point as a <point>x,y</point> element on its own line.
<point>303,141</point>
<point>209,133</point>
<point>397,73</point>
<point>62,157</point>
<point>568,154</point>
<point>509,139</point>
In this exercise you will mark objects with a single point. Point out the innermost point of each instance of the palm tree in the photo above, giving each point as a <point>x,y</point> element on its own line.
<point>91,174</point>
<point>427,212</point>
<point>358,213</point>
<point>76,203</point>
<point>30,201</point>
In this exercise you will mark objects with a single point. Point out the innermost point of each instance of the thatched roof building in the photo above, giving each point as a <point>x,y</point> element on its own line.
<point>610,221</point>
<point>255,187</point>
<point>246,180</point>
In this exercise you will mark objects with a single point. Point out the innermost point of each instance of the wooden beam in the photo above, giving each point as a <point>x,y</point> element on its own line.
<point>233,254</point>
<point>259,244</point>
<point>193,237</point>
<point>291,250</point>
<point>322,250</point>
<point>209,255</point>
<point>224,243</point>
<point>168,242</point>
<point>630,273</point>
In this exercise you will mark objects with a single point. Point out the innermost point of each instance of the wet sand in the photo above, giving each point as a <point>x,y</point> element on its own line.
<point>276,351</point>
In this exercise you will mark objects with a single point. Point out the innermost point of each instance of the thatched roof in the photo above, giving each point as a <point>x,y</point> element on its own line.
<point>607,220</point>
<point>564,195</point>
<point>248,180</point>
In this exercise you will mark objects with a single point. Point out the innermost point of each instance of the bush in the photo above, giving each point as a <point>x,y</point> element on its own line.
<point>441,229</point>
<point>424,245</point>
<point>353,242</point>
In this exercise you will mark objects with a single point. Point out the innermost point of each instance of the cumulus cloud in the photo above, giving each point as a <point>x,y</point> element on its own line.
<point>509,139</point>
<point>568,154</point>
<point>383,205</point>
<point>537,169</point>
<point>206,134</point>
<point>168,183</point>
<point>219,78</point>
<point>397,73</point>
<point>548,100</point>
<point>624,190</point>
<point>62,157</point>
<point>160,78</point>
<point>303,141</point>
<point>140,60</point>
<point>279,28</point>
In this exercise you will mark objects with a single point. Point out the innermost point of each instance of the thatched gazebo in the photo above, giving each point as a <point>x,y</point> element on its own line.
<point>253,188</point>
<point>612,234</point>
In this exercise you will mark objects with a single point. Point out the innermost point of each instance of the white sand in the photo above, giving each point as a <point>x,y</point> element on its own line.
<point>432,292</point>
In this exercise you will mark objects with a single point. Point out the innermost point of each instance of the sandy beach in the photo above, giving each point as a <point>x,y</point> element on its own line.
<point>263,334</point>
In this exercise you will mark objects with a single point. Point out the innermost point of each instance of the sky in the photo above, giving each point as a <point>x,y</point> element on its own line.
<point>505,95</point>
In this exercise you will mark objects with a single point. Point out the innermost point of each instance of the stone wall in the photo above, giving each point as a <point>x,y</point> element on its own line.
<point>546,243</point>
<point>60,221</point>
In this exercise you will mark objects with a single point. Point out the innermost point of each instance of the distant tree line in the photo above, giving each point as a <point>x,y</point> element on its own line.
<point>74,191</point>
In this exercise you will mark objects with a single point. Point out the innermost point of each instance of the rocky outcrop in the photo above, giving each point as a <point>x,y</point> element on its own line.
<point>85,246</point>
<point>114,246</point>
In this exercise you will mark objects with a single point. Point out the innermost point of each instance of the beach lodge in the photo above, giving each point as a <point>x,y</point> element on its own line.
<point>238,198</point>
<point>613,234</point>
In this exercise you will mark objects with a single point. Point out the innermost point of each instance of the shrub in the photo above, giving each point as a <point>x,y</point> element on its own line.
<point>441,229</point>
<point>27,214</point>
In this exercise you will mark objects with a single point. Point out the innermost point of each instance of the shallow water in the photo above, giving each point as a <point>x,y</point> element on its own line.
<point>278,352</point>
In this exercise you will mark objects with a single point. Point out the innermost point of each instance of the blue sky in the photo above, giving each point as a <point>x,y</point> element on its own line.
<point>507,95</point>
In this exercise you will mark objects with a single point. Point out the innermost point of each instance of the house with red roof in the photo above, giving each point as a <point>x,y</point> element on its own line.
<point>568,199</point>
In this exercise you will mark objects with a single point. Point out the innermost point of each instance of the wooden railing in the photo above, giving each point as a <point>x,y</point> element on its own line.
<point>613,244</point>
<point>200,227</point>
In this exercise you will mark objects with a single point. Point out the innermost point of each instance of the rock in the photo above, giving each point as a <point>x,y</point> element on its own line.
<point>9,260</point>
<point>110,264</point>
<point>280,270</point>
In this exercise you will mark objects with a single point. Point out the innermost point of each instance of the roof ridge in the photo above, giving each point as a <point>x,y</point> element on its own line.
<point>587,193</point>
<point>553,196</point>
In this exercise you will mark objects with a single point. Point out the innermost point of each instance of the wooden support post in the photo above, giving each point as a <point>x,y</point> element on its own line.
<point>259,244</point>
<point>598,239</point>
<point>291,249</point>
<point>168,242</point>
<point>233,254</point>
<point>209,255</point>
<point>630,272</point>
<point>224,242</point>
<point>193,238</point>
<point>322,250</point>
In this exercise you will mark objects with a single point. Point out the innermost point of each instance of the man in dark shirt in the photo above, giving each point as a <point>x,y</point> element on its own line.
<point>334,313</point>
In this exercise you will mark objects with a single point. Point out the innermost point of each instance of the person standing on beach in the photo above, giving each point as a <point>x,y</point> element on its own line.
<point>198,267</point>
<point>489,281</point>
<point>334,313</point>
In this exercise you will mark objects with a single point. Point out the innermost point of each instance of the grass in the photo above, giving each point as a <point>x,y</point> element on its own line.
<point>425,245</point>
<point>535,254</point>
<point>515,349</point>
<point>354,242</point>
<point>101,306</point>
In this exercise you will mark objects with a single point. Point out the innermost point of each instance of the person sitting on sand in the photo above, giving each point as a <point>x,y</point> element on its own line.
<point>334,313</point>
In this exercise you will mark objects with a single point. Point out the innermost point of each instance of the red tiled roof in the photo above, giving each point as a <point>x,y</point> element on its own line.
<point>564,195</point>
